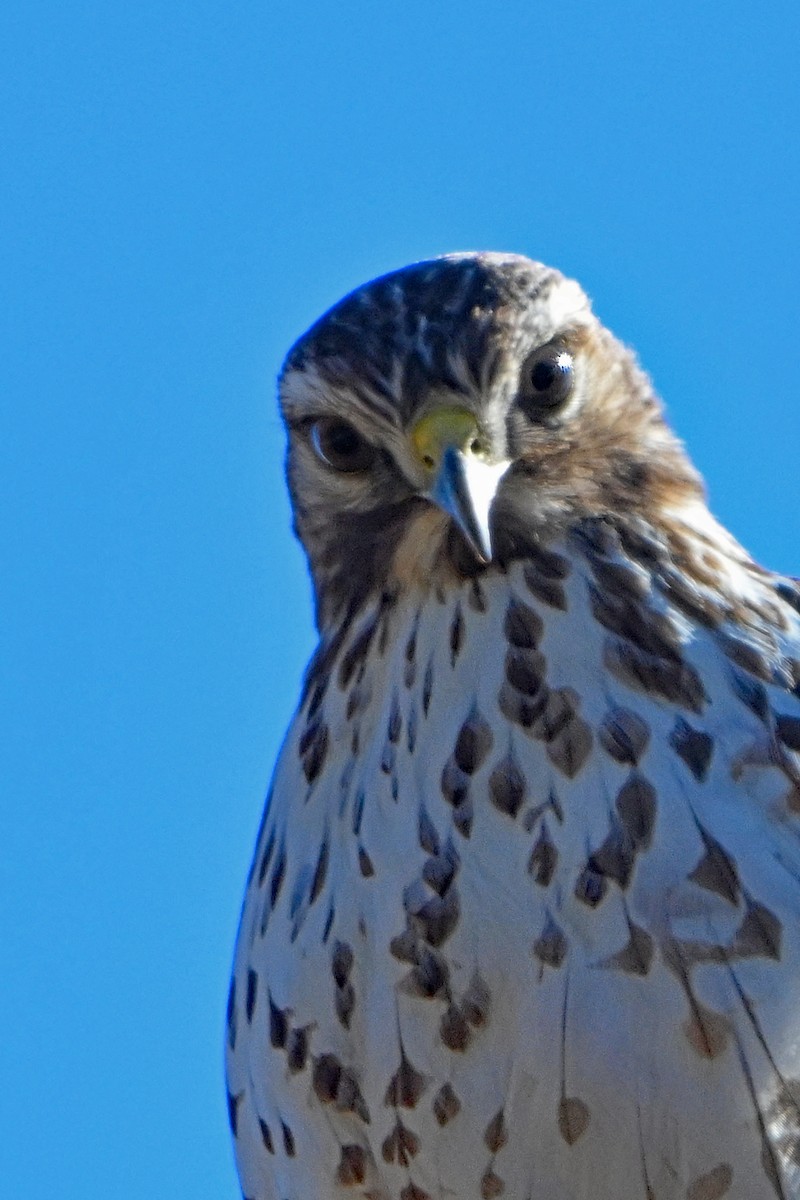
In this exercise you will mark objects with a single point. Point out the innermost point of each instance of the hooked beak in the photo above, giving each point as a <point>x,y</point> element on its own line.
<point>464,481</point>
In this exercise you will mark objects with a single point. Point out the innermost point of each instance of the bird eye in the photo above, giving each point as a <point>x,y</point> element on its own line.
<point>547,381</point>
<point>340,445</point>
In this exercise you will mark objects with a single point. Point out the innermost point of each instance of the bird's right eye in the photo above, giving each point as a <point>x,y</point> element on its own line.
<point>341,446</point>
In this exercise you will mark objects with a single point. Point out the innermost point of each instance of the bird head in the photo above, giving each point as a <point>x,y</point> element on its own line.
<point>447,417</point>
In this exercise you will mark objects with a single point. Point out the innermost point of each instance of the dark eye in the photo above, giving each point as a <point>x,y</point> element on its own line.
<point>340,445</point>
<point>547,381</point>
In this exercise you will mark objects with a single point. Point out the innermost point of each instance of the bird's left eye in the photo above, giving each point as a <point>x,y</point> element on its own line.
<point>341,446</point>
<point>547,381</point>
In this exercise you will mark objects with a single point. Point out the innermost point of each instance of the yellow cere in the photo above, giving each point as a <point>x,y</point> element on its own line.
<point>438,430</point>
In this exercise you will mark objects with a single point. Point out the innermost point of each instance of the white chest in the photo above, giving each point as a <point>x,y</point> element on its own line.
<point>522,917</point>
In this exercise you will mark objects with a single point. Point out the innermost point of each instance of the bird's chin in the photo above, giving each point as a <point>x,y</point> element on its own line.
<point>463,562</point>
<point>433,551</point>
<point>416,548</point>
<point>423,556</point>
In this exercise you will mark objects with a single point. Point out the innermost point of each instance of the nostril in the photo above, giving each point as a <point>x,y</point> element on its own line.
<point>428,459</point>
<point>475,446</point>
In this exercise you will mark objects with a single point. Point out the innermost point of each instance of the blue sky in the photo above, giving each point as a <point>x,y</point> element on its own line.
<point>185,187</point>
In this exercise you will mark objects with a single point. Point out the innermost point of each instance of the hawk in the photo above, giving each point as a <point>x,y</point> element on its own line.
<point>523,918</point>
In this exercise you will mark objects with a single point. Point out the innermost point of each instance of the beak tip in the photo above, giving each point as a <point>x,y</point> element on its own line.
<point>482,546</point>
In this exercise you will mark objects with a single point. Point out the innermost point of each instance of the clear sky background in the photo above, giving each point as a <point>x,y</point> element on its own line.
<point>184,187</point>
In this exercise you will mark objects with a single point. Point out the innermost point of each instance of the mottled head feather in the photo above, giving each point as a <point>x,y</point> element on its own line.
<point>459,330</point>
<point>454,322</point>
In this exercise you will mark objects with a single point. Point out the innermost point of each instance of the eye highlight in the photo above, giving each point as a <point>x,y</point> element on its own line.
<point>341,446</point>
<point>548,378</point>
